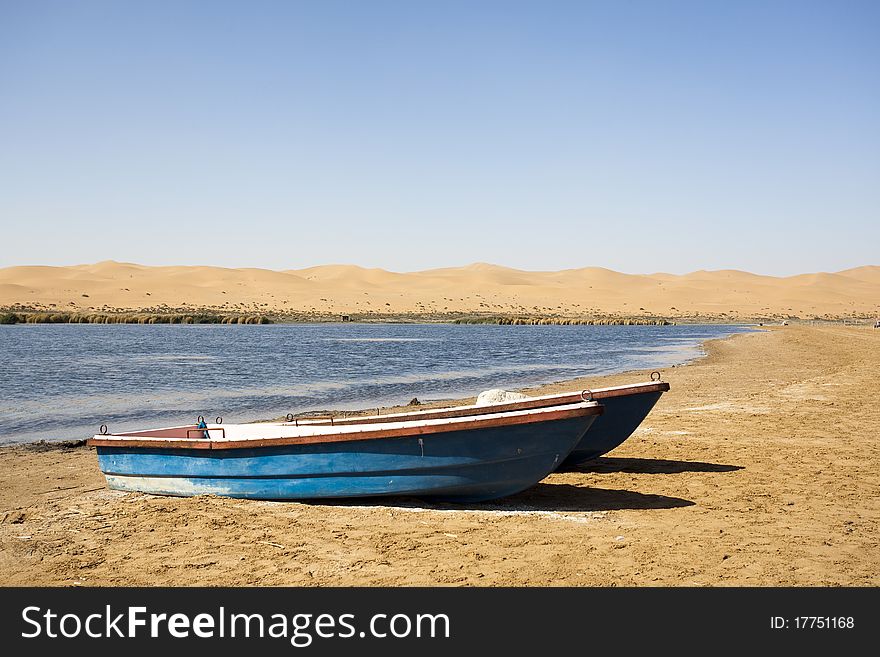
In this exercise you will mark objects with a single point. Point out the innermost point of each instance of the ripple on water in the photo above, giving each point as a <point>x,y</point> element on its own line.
<point>62,381</point>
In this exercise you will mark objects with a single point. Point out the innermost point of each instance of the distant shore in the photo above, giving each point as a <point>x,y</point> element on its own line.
<point>213,316</point>
<point>19,315</point>
<point>733,480</point>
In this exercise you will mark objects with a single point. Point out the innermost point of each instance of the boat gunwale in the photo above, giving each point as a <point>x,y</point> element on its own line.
<point>546,414</point>
<point>468,411</point>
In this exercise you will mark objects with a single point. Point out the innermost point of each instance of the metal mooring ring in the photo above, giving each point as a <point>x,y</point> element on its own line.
<point>290,417</point>
<point>103,430</point>
<point>587,395</point>
<point>652,376</point>
<point>219,420</point>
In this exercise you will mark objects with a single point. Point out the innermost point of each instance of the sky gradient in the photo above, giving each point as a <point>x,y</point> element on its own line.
<point>639,136</point>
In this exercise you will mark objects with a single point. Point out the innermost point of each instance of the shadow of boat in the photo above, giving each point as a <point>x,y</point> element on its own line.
<point>607,464</point>
<point>541,498</point>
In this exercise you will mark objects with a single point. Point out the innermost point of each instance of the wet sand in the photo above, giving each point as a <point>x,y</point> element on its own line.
<point>760,467</point>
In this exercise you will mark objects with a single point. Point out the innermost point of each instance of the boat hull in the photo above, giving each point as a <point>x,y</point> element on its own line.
<point>623,415</point>
<point>458,466</point>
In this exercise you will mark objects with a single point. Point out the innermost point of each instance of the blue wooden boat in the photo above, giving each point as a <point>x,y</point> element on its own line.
<point>466,459</point>
<point>625,408</point>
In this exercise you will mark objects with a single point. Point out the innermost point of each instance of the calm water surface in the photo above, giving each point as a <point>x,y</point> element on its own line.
<point>62,381</point>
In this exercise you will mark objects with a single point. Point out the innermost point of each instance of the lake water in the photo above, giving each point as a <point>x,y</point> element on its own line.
<point>61,381</point>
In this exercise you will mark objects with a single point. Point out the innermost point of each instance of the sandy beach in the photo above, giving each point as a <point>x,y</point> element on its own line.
<point>760,467</point>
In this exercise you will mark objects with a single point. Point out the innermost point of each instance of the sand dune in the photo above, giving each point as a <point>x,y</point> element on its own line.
<point>479,287</point>
<point>866,274</point>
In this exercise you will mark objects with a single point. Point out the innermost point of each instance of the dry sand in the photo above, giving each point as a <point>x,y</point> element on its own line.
<point>760,467</point>
<point>344,289</point>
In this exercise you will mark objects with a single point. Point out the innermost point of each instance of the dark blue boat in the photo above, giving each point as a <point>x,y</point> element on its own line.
<point>625,408</point>
<point>469,459</point>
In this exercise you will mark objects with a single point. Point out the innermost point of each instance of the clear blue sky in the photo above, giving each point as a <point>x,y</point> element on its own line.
<point>639,136</point>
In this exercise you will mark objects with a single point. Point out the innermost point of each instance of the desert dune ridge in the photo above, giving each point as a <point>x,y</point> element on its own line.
<point>476,289</point>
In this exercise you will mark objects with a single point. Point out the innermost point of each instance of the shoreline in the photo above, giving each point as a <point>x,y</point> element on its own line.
<point>370,407</point>
<point>17,314</point>
<point>562,385</point>
<point>12,317</point>
<point>757,468</point>
<point>533,390</point>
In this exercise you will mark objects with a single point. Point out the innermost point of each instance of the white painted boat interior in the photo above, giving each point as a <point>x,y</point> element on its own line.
<point>268,430</point>
<point>630,386</point>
